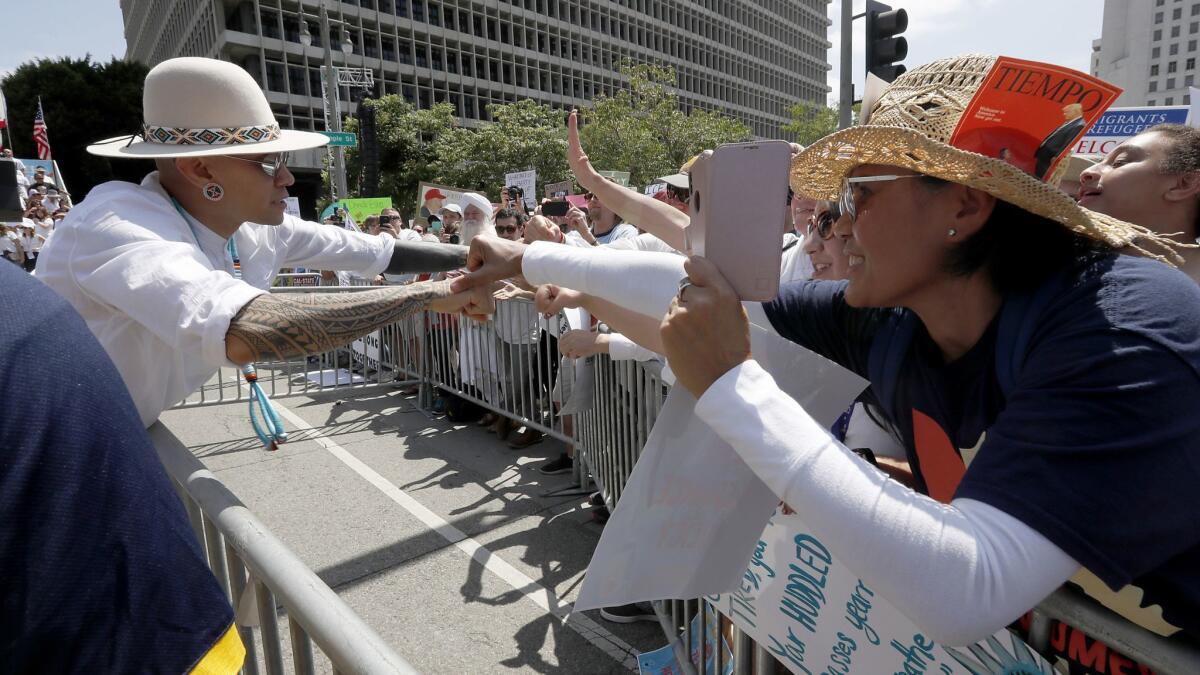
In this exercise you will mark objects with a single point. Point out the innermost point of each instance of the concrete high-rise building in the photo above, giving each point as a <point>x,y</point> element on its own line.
<point>751,59</point>
<point>1149,48</point>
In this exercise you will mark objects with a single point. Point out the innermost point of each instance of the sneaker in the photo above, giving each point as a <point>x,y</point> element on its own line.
<point>439,405</point>
<point>596,499</point>
<point>637,611</point>
<point>563,464</point>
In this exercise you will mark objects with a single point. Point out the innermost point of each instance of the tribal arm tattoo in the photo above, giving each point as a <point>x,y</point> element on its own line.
<point>285,326</point>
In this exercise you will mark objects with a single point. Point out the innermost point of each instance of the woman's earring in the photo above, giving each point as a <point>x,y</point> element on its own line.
<point>213,192</point>
<point>953,232</point>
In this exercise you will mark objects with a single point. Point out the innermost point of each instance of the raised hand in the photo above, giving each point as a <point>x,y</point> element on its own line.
<point>577,158</point>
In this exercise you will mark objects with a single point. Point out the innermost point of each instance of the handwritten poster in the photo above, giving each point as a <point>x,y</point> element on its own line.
<point>815,615</point>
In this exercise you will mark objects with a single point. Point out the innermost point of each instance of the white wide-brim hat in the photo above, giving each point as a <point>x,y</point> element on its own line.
<point>196,107</point>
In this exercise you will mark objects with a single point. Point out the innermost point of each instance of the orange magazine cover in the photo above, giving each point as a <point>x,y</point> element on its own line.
<point>1030,114</point>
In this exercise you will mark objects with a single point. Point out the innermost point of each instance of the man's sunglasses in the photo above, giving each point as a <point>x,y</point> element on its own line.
<point>271,167</point>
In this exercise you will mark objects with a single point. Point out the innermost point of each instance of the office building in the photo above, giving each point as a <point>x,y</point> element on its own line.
<point>752,59</point>
<point>1149,48</point>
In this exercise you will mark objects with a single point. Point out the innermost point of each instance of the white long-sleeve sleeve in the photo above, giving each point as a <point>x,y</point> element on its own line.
<point>621,348</point>
<point>960,571</point>
<point>640,281</point>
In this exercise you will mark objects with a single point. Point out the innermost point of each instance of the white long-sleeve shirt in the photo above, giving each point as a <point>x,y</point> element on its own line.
<point>158,290</point>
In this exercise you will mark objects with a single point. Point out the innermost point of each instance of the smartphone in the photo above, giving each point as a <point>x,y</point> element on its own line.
<point>738,211</point>
<point>555,209</point>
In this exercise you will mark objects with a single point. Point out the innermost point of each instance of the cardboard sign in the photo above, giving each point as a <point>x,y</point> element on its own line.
<point>564,188</point>
<point>815,615</point>
<point>431,197</point>
<point>527,181</point>
<point>1031,114</point>
<point>619,177</point>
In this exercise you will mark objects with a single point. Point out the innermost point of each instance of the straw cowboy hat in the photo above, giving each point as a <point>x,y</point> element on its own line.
<point>197,107</point>
<point>910,126</point>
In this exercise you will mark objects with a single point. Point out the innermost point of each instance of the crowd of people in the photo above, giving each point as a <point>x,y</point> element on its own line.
<point>1031,349</point>
<point>44,205</point>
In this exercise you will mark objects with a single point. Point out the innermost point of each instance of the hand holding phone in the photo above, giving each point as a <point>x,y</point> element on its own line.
<point>738,212</point>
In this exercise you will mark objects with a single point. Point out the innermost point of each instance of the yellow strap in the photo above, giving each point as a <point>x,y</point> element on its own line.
<point>225,657</point>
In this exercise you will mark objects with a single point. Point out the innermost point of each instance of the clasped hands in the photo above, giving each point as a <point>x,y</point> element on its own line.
<point>705,332</point>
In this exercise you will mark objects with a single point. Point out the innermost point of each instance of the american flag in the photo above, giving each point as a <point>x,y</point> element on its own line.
<point>39,133</point>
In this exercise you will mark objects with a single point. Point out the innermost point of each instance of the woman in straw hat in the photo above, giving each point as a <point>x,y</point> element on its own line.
<point>1000,329</point>
<point>171,275</point>
<point>1152,179</point>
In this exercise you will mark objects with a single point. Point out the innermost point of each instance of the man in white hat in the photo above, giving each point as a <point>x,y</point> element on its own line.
<point>171,275</point>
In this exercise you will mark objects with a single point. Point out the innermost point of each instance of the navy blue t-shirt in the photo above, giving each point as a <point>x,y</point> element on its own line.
<point>1097,444</point>
<point>99,569</point>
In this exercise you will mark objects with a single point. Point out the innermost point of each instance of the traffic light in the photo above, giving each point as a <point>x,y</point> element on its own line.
<point>884,48</point>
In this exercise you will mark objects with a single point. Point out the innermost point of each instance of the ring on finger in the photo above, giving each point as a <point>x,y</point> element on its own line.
<point>684,284</point>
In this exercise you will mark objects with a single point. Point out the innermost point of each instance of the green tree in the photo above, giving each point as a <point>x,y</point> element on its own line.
<point>643,131</point>
<point>812,122</point>
<point>84,101</point>
<point>523,135</point>
<point>407,138</point>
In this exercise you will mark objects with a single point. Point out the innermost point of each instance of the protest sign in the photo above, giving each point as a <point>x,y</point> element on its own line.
<point>359,209</point>
<point>813,613</point>
<point>431,197</point>
<point>564,188</point>
<point>690,515</point>
<point>1118,124</point>
<point>1031,114</point>
<point>32,165</point>
<point>367,350</point>
<point>527,181</point>
<point>619,177</point>
<point>655,188</point>
<point>291,206</point>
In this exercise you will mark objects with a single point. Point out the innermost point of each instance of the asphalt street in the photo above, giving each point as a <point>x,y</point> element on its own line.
<point>447,542</point>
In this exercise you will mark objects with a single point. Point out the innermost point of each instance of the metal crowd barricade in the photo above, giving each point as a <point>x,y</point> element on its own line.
<point>509,366</point>
<point>628,397</point>
<point>252,565</point>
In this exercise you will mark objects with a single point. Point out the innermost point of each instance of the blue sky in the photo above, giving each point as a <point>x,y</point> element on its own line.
<point>1060,31</point>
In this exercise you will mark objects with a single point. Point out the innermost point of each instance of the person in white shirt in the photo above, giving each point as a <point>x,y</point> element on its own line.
<point>10,245</point>
<point>172,274</point>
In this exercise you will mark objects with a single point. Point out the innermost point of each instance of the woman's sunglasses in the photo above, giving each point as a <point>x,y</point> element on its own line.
<point>822,225</point>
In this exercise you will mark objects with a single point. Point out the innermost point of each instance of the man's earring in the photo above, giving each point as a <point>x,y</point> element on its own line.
<point>213,192</point>
<point>953,232</point>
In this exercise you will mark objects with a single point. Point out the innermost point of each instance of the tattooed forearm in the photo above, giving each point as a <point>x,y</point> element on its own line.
<point>285,326</point>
